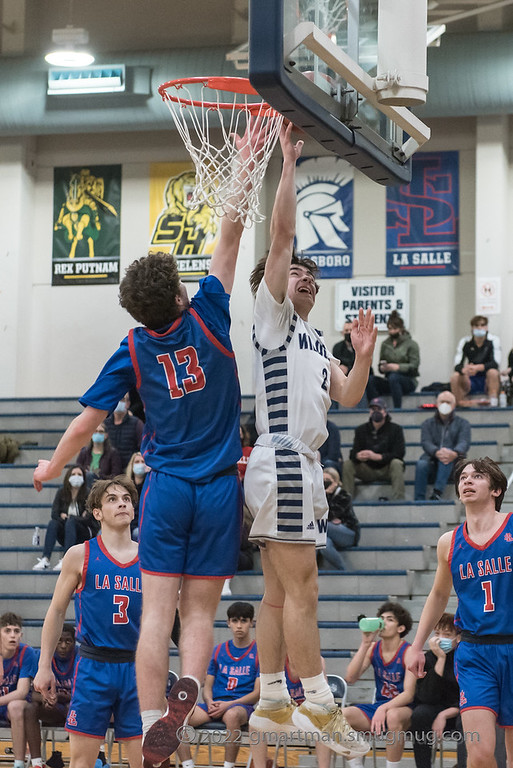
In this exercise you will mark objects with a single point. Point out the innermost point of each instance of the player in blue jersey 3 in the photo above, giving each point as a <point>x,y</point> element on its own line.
<point>296,378</point>
<point>18,664</point>
<point>232,685</point>
<point>104,575</point>
<point>387,652</point>
<point>190,512</point>
<point>477,559</point>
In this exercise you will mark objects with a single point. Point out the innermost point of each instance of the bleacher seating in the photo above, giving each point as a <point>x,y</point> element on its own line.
<point>396,556</point>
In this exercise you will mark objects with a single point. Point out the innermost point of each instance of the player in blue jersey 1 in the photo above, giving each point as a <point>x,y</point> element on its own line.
<point>387,652</point>
<point>18,664</point>
<point>183,366</point>
<point>104,575</point>
<point>232,685</point>
<point>477,559</point>
<point>295,379</point>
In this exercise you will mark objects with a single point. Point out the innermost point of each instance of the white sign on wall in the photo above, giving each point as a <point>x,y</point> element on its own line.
<point>488,295</point>
<point>382,296</point>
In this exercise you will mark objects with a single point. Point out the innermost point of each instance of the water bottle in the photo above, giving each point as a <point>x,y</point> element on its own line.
<point>371,624</point>
<point>35,537</point>
<point>503,400</point>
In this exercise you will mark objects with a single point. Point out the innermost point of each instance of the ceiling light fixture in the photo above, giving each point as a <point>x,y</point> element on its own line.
<point>67,54</point>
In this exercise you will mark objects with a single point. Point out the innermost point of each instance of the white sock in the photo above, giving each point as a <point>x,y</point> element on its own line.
<point>318,694</point>
<point>188,763</point>
<point>273,690</point>
<point>148,717</point>
<point>228,765</point>
<point>390,764</point>
<point>37,761</point>
<point>19,764</point>
<point>356,762</point>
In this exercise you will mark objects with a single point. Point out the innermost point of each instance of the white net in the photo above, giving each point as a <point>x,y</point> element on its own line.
<point>230,144</point>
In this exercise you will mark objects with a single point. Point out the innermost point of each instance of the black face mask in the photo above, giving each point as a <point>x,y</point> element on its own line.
<point>347,337</point>
<point>327,484</point>
<point>377,417</point>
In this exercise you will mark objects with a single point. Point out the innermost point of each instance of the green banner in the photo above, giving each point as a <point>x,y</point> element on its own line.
<point>86,225</point>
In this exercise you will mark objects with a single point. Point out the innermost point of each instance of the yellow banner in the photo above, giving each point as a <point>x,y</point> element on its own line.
<point>190,235</point>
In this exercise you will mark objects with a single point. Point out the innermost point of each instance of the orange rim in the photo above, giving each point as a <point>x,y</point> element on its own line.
<point>232,84</point>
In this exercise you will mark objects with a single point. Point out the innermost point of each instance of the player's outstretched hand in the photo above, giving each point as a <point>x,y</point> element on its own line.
<point>290,150</point>
<point>416,662</point>
<point>364,334</point>
<point>42,474</point>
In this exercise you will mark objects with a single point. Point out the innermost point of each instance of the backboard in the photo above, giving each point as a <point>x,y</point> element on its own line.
<point>345,72</point>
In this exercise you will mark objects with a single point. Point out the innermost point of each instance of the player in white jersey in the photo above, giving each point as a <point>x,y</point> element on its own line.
<point>296,378</point>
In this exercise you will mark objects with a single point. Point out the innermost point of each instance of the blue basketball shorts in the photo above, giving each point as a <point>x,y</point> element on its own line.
<point>485,678</point>
<point>190,529</point>
<point>477,384</point>
<point>102,690</point>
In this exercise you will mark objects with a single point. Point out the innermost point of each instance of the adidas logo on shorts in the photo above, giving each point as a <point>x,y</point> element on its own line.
<point>310,527</point>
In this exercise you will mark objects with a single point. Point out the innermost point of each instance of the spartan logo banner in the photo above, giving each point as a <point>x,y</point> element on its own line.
<point>86,225</point>
<point>189,234</point>
<point>324,221</point>
<point>423,218</point>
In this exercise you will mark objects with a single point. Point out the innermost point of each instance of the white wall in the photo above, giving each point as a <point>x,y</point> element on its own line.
<point>54,340</point>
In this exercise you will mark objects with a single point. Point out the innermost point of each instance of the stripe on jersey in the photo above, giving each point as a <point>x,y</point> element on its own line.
<point>289,493</point>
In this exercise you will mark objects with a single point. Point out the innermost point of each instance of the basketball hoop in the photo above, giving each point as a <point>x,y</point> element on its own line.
<point>228,179</point>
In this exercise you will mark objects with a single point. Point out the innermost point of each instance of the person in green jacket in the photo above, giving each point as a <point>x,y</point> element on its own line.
<point>399,360</point>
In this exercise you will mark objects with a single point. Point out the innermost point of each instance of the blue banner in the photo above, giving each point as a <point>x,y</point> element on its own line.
<point>423,219</point>
<point>324,222</point>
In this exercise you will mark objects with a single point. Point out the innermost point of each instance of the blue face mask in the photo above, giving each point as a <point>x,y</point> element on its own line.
<point>139,469</point>
<point>479,333</point>
<point>446,644</point>
<point>98,437</point>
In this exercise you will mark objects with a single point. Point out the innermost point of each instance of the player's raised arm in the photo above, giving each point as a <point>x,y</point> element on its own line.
<point>283,220</point>
<point>434,606</point>
<point>76,436</point>
<point>224,258</point>
<point>348,390</point>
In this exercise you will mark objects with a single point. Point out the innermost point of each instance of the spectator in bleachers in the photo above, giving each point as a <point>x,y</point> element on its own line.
<point>437,695</point>
<point>70,522</point>
<point>54,710</point>
<point>343,526</point>
<point>343,350</point>
<point>125,430</point>
<point>232,685</point>
<point>476,364</point>
<point>19,663</point>
<point>99,459</point>
<point>137,470</point>
<point>399,360</point>
<point>445,438</point>
<point>330,451</point>
<point>247,447</point>
<point>390,713</point>
<point>377,453</point>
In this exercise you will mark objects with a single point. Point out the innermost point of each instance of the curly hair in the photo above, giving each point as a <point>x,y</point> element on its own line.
<point>258,272</point>
<point>150,288</point>
<point>10,619</point>
<point>402,616</point>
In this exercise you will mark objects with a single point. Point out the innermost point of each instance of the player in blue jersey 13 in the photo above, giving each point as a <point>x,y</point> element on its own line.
<point>477,559</point>
<point>190,513</point>
<point>104,575</point>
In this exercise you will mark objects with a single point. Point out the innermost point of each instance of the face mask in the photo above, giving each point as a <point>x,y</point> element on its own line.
<point>98,437</point>
<point>347,337</point>
<point>444,409</point>
<point>120,407</point>
<point>139,469</point>
<point>479,333</point>
<point>446,644</point>
<point>76,481</point>
<point>377,417</point>
<point>394,334</point>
